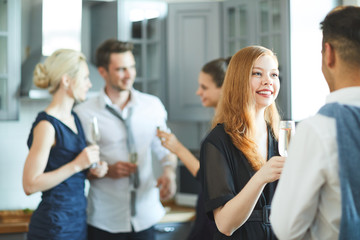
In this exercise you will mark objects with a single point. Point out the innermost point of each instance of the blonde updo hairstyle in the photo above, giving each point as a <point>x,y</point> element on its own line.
<point>62,62</point>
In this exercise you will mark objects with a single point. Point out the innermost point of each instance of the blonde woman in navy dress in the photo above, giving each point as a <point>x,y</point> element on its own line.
<point>58,158</point>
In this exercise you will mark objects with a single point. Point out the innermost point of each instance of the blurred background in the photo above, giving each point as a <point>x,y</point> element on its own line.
<point>173,39</point>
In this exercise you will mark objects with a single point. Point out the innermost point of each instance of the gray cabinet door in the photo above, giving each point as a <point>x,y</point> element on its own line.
<point>10,59</point>
<point>193,37</point>
<point>265,23</point>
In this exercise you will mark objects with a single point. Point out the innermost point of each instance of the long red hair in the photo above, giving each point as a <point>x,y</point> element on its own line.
<point>236,109</point>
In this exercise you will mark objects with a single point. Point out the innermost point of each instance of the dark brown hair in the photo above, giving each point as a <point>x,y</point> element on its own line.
<point>341,29</point>
<point>217,69</point>
<point>108,47</point>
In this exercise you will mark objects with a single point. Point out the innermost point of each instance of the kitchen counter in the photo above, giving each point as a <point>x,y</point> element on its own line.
<point>14,224</point>
<point>17,221</point>
<point>20,227</point>
<point>177,222</point>
<point>176,213</point>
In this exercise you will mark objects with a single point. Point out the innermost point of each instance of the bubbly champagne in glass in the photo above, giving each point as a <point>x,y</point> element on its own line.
<point>287,130</point>
<point>95,135</point>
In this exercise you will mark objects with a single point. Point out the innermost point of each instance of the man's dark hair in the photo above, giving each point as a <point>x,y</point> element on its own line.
<point>108,47</point>
<point>217,69</point>
<point>341,29</point>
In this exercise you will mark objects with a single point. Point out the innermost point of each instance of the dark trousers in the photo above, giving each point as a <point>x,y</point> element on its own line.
<point>98,234</point>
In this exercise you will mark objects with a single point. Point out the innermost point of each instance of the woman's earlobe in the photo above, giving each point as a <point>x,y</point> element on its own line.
<point>65,81</point>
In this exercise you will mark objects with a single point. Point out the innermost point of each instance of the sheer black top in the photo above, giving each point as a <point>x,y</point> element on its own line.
<point>224,172</point>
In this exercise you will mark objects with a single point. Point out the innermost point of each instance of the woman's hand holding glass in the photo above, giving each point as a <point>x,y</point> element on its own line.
<point>169,141</point>
<point>100,170</point>
<point>95,135</point>
<point>87,157</point>
<point>272,169</point>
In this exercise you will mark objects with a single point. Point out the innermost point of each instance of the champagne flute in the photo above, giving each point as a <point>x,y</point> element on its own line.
<point>287,130</point>
<point>95,135</point>
<point>163,129</point>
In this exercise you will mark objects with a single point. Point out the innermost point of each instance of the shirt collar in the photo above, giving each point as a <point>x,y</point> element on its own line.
<point>349,95</point>
<point>105,100</point>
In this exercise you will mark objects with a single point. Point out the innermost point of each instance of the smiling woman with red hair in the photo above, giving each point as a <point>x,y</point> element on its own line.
<point>239,158</point>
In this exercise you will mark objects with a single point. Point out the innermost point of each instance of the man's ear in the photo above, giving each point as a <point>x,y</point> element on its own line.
<point>102,71</point>
<point>329,55</point>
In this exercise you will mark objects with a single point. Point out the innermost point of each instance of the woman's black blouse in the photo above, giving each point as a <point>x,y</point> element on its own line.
<point>224,172</point>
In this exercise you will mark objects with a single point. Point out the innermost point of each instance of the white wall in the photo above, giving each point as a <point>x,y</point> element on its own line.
<point>13,151</point>
<point>308,86</point>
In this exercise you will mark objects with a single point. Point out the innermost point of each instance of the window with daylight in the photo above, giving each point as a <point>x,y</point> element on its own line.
<point>61,25</point>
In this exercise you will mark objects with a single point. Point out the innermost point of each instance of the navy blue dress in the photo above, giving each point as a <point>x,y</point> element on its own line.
<point>61,213</point>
